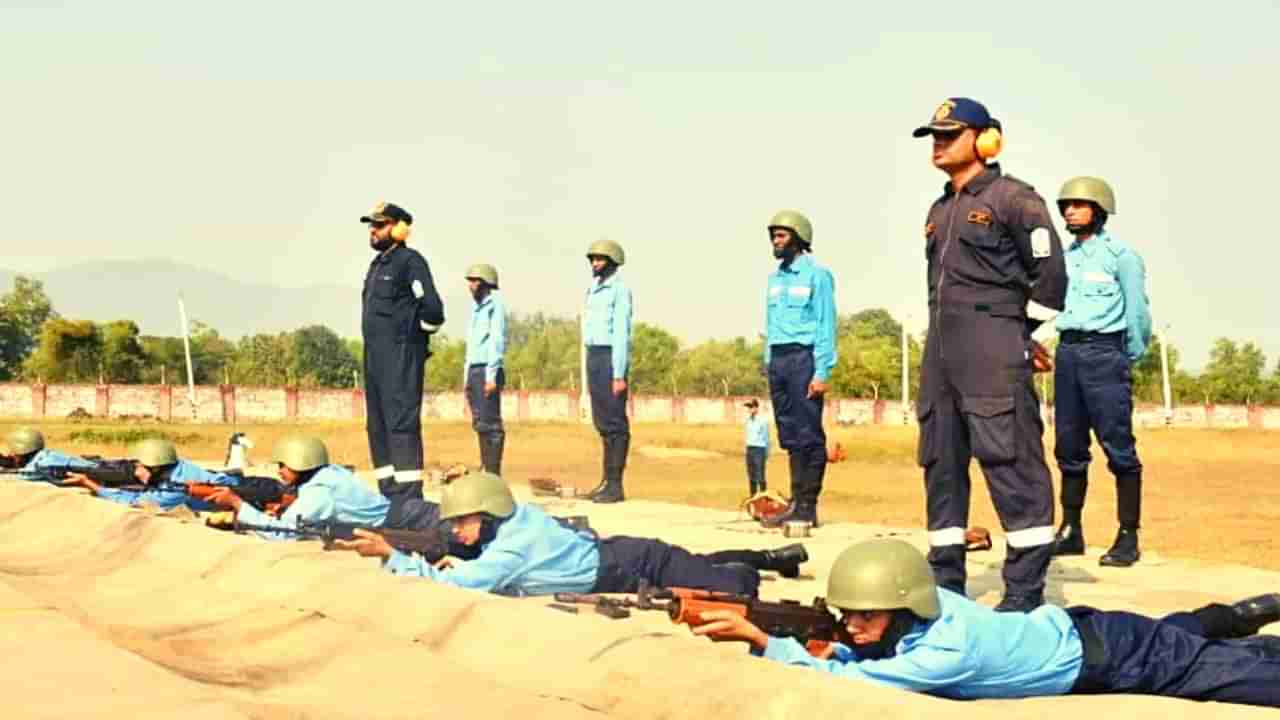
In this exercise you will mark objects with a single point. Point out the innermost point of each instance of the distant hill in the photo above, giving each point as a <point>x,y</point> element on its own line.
<point>146,291</point>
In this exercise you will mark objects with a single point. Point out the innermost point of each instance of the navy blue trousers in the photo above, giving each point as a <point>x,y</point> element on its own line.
<point>486,410</point>
<point>756,457</point>
<point>393,378</point>
<point>799,418</point>
<point>624,561</point>
<point>1093,390</point>
<point>608,411</point>
<point>1131,653</point>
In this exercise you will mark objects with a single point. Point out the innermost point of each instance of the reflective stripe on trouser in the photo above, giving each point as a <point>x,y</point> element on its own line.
<point>1005,438</point>
<point>756,458</point>
<point>393,401</point>
<point>798,417</point>
<point>1130,653</point>
<point>1093,390</point>
<point>625,561</point>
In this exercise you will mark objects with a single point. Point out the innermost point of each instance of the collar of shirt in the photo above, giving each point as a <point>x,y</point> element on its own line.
<point>385,256</point>
<point>1090,245</point>
<point>487,301</point>
<point>977,184</point>
<point>598,284</point>
<point>800,261</point>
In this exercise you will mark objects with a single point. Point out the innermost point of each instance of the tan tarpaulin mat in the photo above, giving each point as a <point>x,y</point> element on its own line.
<point>112,612</point>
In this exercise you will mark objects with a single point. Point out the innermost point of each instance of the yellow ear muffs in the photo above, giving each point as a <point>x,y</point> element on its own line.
<point>400,232</point>
<point>989,143</point>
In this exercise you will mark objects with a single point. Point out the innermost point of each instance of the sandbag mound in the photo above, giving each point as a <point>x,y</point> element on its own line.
<point>108,611</point>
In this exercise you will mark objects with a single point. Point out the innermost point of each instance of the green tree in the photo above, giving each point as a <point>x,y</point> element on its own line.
<point>1148,380</point>
<point>68,351</point>
<point>23,310</point>
<point>1234,372</point>
<point>653,355</point>
<point>444,367</point>
<point>320,358</point>
<point>263,359</point>
<point>123,359</point>
<point>542,352</point>
<point>721,367</point>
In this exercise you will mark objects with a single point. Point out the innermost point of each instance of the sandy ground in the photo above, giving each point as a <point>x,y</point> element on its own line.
<point>111,612</point>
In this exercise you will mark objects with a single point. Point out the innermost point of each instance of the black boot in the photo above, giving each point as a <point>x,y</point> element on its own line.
<point>604,469</point>
<point>1070,537</point>
<point>1253,613</point>
<point>786,560</point>
<point>616,461</point>
<point>796,461</point>
<point>1069,540</point>
<point>1124,551</point>
<point>492,454</point>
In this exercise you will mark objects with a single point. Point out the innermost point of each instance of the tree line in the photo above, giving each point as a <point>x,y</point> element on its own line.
<point>39,345</point>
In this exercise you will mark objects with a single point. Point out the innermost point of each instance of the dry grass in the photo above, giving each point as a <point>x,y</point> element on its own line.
<point>1211,495</point>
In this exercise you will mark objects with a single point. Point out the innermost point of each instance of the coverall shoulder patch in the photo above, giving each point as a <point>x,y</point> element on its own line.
<point>1041,246</point>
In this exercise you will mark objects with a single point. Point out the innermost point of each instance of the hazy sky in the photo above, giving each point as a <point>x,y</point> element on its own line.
<point>249,137</point>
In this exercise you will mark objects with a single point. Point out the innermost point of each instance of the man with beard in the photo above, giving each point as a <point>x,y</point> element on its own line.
<point>606,332</point>
<point>483,374</point>
<point>994,267</point>
<point>401,309</point>
<point>799,352</point>
<point>1104,329</point>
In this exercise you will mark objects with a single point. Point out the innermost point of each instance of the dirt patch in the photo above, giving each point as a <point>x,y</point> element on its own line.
<point>659,452</point>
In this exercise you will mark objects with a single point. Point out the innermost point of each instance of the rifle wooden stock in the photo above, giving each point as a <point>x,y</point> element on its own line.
<point>266,494</point>
<point>812,625</point>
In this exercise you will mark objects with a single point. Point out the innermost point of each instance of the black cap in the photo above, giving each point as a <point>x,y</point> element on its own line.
<point>957,114</point>
<point>386,212</point>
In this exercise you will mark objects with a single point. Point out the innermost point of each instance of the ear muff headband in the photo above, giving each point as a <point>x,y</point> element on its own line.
<point>989,143</point>
<point>400,232</point>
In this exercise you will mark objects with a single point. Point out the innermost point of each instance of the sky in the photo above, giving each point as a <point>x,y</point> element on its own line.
<point>248,138</point>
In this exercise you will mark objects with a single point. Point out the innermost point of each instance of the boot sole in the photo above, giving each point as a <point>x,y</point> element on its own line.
<point>1111,562</point>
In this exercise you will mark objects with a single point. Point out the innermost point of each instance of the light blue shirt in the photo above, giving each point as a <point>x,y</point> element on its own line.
<point>487,336</point>
<point>607,321</point>
<point>969,651</point>
<point>173,492</point>
<point>46,458</point>
<point>1107,292</point>
<point>800,308</point>
<point>757,431</point>
<point>333,493</point>
<point>531,554</point>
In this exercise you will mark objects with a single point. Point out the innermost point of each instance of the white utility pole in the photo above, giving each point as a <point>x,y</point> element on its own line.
<point>186,347</point>
<point>906,368</point>
<point>1164,372</point>
<point>584,403</point>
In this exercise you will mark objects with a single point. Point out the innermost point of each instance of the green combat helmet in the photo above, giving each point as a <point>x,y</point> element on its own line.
<point>485,272</point>
<point>24,441</point>
<point>883,575</point>
<point>154,452</point>
<point>796,223</point>
<point>609,249</point>
<point>481,492</point>
<point>1091,189</point>
<point>300,453</point>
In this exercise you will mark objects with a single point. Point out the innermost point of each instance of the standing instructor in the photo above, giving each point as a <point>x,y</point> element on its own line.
<point>401,309</point>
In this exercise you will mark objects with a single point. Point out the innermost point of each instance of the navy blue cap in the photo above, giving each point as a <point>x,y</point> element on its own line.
<point>957,114</point>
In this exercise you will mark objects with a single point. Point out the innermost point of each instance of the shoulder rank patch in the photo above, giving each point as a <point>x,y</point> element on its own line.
<point>979,217</point>
<point>1041,247</point>
<point>928,229</point>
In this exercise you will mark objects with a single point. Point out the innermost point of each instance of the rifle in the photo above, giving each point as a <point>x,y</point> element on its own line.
<point>264,493</point>
<point>430,544</point>
<point>814,626</point>
<point>107,473</point>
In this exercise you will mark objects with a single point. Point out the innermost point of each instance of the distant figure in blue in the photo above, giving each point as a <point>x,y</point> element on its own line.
<point>757,430</point>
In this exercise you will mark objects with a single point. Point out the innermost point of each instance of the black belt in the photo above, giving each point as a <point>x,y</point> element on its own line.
<point>1073,337</point>
<point>599,348</point>
<point>786,348</point>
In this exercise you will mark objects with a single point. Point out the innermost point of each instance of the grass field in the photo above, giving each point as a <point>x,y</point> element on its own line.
<point>1210,495</point>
